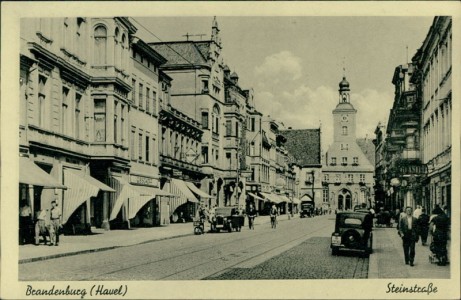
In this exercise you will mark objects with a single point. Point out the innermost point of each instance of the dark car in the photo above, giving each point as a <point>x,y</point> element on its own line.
<point>353,231</point>
<point>227,218</point>
<point>307,209</point>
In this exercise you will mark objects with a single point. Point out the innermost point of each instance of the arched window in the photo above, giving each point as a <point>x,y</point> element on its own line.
<point>100,45</point>
<point>117,48</point>
<point>123,54</point>
<point>344,130</point>
<point>216,119</point>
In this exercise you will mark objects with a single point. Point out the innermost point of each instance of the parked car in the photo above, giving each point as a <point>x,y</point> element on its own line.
<point>307,209</point>
<point>353,231</point>
<point>227,218</point>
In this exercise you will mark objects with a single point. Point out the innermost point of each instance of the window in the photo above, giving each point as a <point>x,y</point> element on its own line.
<point>116,122</point>
<point>154,155</point>
<point>204,120</point>
<point>122,121</point>
<point>333,161</point>
<point>217,155</point>
<point>252,148</point>
<point>141,100</point>
<point>147,99</point>
<point>237,129</point>
<point>215,128</point>
<point>344,130</point>
<point>356,160</point>
<point>228,128</point>
<point>205,154</point>
<point>42,93</point>
<point>326,178</point>
<point>133,91</point>
<point>344,161</point>
<point>362,177</point>
<point>133,143</point>
<point>64,111</point>
<point>204,86</point>
<point>325,194</point>
<point>100,45</point>
<point>338,178</point>
<point>140,140</point>
<point>147,149</point>
<point>77,116</point>
<point>350,178</point>
<point>252,124</point>
<point>100,120</point>
<point>410,142</point>
<point>309,176</point>
<point>154,102</point>
<point>344,146</point>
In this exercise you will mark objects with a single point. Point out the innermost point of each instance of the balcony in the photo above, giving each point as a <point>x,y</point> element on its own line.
<point>168,161</point>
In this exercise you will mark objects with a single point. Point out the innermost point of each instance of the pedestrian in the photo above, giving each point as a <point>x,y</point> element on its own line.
<point>55,223</point>
<point>408,231</point>
<point>273,216</point>
<point>367,226</point>
<point>440,224</point>
<point>251,213</point>
<point>40,227</point>
<point>423,222</point>
<point>25,214</point>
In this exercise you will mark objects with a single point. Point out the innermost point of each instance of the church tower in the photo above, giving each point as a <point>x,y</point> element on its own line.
<point>344,115</point>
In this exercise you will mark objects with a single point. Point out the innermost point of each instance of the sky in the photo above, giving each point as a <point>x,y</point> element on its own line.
<point>294,64</point>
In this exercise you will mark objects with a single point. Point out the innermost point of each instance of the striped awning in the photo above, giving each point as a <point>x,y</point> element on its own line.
<point>134,197</point>
<point>30,173</point>
<point>197,191</point>
<point>81,187</point>
<point>182,194</point>
<point>272,198</point>
<point>255,196</point>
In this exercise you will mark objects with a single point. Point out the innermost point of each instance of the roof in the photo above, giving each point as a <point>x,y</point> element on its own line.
<point>368,148</point>
<point>304,145</point>
<point>183,53</point>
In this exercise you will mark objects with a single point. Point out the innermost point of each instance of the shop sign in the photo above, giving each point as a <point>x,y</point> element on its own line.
<point>141,180</point>
<point>413,169</point>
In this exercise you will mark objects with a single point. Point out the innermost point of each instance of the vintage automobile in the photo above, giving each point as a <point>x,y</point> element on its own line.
<point>353,231</point>
<point>227,218</point>
<point>307,209</point>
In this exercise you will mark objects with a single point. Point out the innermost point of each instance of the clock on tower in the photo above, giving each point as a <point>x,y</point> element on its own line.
<point>344,118</point>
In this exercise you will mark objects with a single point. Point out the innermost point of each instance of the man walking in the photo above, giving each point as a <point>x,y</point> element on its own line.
<point>408,231</point>
<point>251,216</point>
<point>55,223</point>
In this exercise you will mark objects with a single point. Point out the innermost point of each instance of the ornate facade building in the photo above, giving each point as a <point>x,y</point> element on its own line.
<point>347,172</point>
<point>197,70</point>
<point>433,62</point>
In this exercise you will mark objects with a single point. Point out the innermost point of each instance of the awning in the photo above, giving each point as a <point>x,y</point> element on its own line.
<point>296,200</point>
<point>255,196</point>
<point>30,173</point>
<point>182,194</point>
<point>197,191</point>
<point>284,198</point>
<point>133,196</point>
<point>81,187</point>
<point>272,198</point>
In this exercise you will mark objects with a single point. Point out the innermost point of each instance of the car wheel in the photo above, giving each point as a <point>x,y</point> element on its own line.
<point>197,230</point>
<point>334,251</point>
<point>352,239</point>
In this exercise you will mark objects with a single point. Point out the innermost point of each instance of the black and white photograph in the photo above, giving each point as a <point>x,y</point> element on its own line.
<point>230,150</point>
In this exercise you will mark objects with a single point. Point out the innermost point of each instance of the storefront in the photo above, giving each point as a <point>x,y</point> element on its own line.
<point>183,206</point>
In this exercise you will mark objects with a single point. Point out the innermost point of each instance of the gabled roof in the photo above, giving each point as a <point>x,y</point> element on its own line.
<point>183,53</point>
<point>304,145</point>
<point>368,148</point>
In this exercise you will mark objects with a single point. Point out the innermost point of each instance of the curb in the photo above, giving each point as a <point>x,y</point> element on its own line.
<point>33,259</point>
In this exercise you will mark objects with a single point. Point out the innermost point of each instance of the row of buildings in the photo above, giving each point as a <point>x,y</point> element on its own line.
<point>413,152</point>
<point>122,132</point>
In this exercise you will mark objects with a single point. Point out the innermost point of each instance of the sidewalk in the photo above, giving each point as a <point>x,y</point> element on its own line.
<point>102,240</point>
<point>387,260</point>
